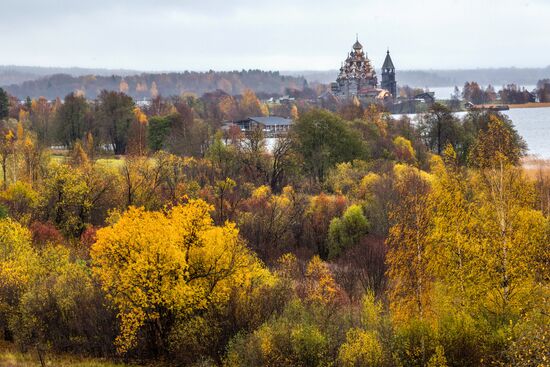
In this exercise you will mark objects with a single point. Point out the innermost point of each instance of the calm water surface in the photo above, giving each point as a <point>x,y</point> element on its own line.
<point>534,125</point>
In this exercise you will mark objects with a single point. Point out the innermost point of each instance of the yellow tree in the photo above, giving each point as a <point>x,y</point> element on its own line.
<point>139,136</point>
<point>7,149</point>
<point>228,108</point>
<point>250,104</point>
<point>452,251</point>
<point>513,236</point>
<point>155,266</point>
<point>410,280</point>
<point>17,261</point>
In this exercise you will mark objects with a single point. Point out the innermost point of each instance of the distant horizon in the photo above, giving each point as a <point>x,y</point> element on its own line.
<point>286,35</point>
<point>153,71</point>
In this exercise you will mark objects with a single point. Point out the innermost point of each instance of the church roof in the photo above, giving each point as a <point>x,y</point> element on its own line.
<point>388,63</point>
<point>357,45</point>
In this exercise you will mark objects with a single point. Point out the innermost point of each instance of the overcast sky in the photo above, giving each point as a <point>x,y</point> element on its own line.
<point>179,35</point>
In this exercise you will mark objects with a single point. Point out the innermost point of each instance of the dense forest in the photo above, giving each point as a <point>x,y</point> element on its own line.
<point>358,239</point>
<point>148,85</point>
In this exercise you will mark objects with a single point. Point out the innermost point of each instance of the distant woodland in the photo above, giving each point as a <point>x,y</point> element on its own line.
<point>148,85</point>
<point>23,81</point>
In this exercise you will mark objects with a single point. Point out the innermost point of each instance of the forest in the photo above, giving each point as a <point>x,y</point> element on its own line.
<point>150,85</point>
<point>151,236</point>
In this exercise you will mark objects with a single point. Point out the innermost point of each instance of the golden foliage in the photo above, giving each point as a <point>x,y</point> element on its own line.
<point>151,263</point>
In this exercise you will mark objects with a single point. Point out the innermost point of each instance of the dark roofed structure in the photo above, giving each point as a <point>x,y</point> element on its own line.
<point>388,75</point>
<point>388,63</point>
<point>271,125</point>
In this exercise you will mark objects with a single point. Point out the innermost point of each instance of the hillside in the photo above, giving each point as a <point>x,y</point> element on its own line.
<point>147,84</point>
<point>14,74</point>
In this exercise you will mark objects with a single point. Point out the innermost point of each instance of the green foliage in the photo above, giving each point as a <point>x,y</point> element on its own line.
<point>4,104</point>
<point>414,343</point>
<point>439,127</point>
<point>65,199</point>
<point>62,309</point>
<point>115,114</point>
<point>438,358</point>
<point>323,140</point>
<point>293,339</point>
<point>158,129</point>
<point>71,119</point>
<point>346,231</point>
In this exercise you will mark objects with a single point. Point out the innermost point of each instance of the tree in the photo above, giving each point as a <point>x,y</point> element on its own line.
<point>17,263</point>
<point>404,151</point>
<point>323,139</point>
<point>4,104</point>
<point>71,119</point>
<point>438,128</point>
<point>267,221</point>
<point>65,199</point>
<point>41,120</point>
<point>157,131</point>
<point>115,114</point>
<point>362,348</point>
<point>155,266</point>
<point>318,216</point>
<point>7,149</point>
<point>498,145</point>
<point>346,231</point>
<point>410,279</point>
<point>62,308</point>
<point>249,105</point>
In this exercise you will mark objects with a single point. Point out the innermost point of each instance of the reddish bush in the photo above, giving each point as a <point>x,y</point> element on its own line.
<point>43,233</point>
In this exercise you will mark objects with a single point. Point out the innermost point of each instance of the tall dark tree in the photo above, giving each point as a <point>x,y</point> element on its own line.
<point>157,131</point>
<point>71,119</point>
<point>4,104</point>
<point>115,114</point>
<point>439,127</point>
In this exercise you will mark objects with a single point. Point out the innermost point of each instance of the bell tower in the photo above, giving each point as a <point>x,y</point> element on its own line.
<point>388,76</point>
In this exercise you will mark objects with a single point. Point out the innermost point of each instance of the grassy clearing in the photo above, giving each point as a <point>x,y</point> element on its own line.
<point>11,357</point>
<point>111,162</point>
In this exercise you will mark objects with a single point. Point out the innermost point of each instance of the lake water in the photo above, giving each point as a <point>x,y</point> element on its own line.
<point>534,125</point>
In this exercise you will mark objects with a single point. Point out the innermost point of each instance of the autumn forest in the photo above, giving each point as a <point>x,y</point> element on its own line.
<point>149,235</point>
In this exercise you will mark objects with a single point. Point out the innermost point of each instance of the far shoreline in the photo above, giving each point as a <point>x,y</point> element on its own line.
<point>530,105</point>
